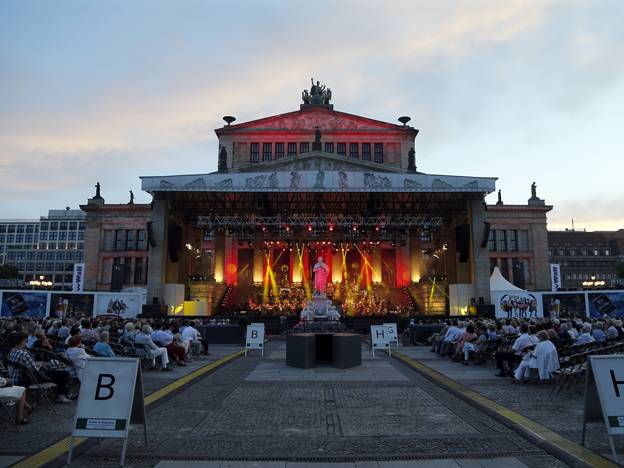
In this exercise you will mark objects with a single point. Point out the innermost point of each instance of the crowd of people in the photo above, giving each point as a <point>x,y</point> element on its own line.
<point>521,348</point>
<point>51,351</point>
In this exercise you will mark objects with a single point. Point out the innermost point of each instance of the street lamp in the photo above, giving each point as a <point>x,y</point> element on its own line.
<point>593,283</point>
<point>41,282</point>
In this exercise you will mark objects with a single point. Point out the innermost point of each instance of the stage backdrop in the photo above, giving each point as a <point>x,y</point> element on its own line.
<point>518,304</point>
<point>124,305</point>
<point>564,305</point>
<point>24,304</point>
<point>71,305</point>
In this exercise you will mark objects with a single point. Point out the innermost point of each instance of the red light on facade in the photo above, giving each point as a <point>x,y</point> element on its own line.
<point>355,228</point>
<point>309,228</point>
<point>330,227</point>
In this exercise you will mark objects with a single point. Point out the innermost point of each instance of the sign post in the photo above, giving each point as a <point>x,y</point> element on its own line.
<point>380,338</point>
<point>604,395</point>
<point>555,276</point>
<point>255,337</point>
<point>392,332</point>
<point>78,277</point>
<point>111,399</point>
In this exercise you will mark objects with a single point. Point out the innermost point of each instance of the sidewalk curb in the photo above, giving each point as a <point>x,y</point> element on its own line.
<point>560,447</point>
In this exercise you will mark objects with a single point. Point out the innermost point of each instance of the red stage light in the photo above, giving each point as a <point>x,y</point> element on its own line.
<point>309,228</point>
<point>330,227</point>
<point>355,227</point>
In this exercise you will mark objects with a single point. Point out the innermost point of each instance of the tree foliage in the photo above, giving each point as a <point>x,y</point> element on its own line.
<point>619,270</point>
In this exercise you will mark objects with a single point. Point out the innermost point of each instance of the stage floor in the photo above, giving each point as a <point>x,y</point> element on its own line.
<point>274,369</point>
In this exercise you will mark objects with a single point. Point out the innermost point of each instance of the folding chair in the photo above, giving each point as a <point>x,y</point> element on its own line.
<point>39,387</point>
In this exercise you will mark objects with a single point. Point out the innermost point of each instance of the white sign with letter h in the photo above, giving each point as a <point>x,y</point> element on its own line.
<point>380,338</point>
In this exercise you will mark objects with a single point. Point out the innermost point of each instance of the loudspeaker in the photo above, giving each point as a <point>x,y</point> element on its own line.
<point>117,277</point>
<point>486,310</point>
<point>486,234</point>
<point>174,241</point>
<point>462,242</point>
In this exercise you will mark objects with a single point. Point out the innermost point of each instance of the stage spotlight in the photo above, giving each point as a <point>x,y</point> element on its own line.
<point>330,228</point>
<point>309,228</point>
<point>354,227</point>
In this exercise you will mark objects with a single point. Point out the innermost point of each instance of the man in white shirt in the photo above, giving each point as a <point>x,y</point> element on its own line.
<point>512,358</point>
<point>453,334</point>
<point>191,335</point>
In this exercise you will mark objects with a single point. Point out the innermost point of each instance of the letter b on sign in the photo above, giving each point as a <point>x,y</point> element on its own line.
<point>254,334</point>
<point>104,388</point>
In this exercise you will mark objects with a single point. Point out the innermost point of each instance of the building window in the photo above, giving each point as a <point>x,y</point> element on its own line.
<point>81,226</point>
<point>52,235</point>
<point>119,240</point>
<point>354,150</point>
<point>583,252</point>
<point>30,229</point>
<point>62,235</point>
<point>20,229</point>
<point>54,226</point>
<point>73,226</point>
<point>3,228</point>
<point>492,241</point>
<point>366,151</point>
<point>595,252</point>
<point>138,271</point>
<point>140,239</point>
<point>379,152</point>
<point>279,150</point>
<point>505,266</point>
<point>254,152</point>
<point>502,240</point>
<point>127,266</point>
<point>304,147</point>
<point>572,252</point>
<point>329,147</point>
<point>11,228</point>
<point>607,252</point>
<point>267,149</point>
<point>341,149</point>
<point>63,226</point>
<point>72,235</point>
<point>292,149</point>
<point>513,240</point>
<point>130,240</point>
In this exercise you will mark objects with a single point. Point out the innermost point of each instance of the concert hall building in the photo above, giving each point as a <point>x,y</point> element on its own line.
<point>290,188</point>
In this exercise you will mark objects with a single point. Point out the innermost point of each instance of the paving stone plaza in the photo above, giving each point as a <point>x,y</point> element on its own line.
<point>255,411</point>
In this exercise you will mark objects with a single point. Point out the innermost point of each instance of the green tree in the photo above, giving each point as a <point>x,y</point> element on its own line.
<point>9,272</point>
<point>619,270</point>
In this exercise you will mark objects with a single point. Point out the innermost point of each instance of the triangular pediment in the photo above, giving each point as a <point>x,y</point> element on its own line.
<point>326,119</point>
<point>318,161</point>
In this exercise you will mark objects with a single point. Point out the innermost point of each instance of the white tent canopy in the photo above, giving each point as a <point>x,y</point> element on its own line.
<point>499,283</point>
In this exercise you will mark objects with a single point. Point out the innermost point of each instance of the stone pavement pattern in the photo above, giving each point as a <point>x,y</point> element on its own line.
<point>561,412</point>
<point>386,413</point>
<point>46,427</point>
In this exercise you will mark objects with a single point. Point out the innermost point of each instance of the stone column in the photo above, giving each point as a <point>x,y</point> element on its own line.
<point>415,252</point>
<point>158,252</point>
<point>219,263</point>
<point>376,264</point>
<point>479,256</point>
<point>541,264</point>
<point>258,263</point>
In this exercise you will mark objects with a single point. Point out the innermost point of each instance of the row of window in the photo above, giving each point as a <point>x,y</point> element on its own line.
<point>136,275</point>
<point>62,225</point>
<point>513,240</point>
<point>19,228</point>
<point>17,238</point>
<point>365,151</point>
<point>121,240</point>
<point>41,267</point>
<point>587,263</point>
<point>583,252</point>
<point>44,255</point>
<point>587,276</point>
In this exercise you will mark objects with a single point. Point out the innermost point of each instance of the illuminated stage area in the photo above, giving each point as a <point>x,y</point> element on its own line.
<point>318,183</point>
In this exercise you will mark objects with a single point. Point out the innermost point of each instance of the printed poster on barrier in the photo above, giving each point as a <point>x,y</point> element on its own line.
<point>255,337</point>
<point>32,304</point>
<point>122,305</point>
<point>564,305</point>
<point>604,395</point>
<point>65,305</point>
<point>380,338</point>
<point>519,304</point>
<point>110,400</point>
<point>392,332</point>
<point>606,303</point>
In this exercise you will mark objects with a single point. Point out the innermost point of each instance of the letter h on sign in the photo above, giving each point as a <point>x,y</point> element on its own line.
<point>380,333</point>
<point>616,383</point>
<point>104,390</point>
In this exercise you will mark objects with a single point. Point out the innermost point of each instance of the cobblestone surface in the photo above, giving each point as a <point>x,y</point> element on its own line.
<point>561,412</point>
<point>225,416</point>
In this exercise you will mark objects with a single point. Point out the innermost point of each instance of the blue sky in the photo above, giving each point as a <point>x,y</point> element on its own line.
<point>111,90</point>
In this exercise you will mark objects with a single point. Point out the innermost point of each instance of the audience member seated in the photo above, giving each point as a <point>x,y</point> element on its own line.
<point>598,332</point>
<point>467,337</point>
<point>19,355</point>
<point>586,336</point>
<point>17,394</point>
<point>63,331</point>
<point>542,357</point>
<point>77,355</point>
<point>102,348</point>
<point>153,351</point>
<point>88,334</point>
<point>517,350</point>
<point>192,336</point>
<point>164,337</point>
<point>41,341</point>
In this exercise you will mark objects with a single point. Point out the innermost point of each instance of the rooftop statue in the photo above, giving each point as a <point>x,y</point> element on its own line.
<point>319,94</point>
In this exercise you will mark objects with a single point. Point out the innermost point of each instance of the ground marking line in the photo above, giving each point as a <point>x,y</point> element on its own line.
<point>62,446</point>
<point>536,429</point>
